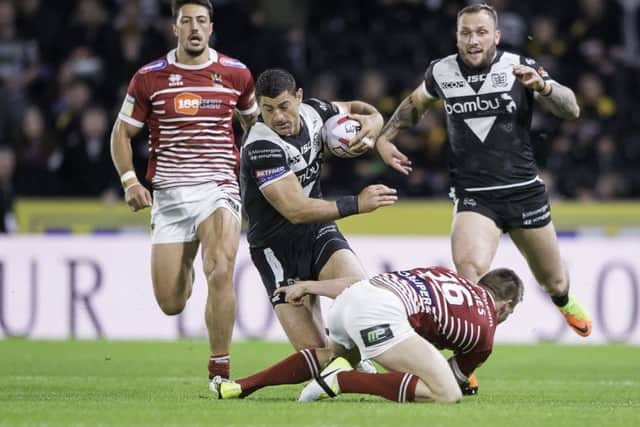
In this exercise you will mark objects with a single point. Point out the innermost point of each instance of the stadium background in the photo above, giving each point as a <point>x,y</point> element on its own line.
<point>65,65</point>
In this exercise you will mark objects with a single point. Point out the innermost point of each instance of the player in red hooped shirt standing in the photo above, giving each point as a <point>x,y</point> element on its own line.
<point>399,319</point>
<point>187,99</point>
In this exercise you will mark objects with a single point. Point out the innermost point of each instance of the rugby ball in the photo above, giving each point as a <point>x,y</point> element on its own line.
<point>337,132</point>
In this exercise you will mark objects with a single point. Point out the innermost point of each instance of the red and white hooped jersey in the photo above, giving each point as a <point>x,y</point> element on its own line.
<point>189,110</point>
<point>448,311</point>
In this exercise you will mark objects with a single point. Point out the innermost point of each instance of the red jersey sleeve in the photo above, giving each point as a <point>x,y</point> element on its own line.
<point>463,364</point>
<point>136,106</point>
<point>247,100</point>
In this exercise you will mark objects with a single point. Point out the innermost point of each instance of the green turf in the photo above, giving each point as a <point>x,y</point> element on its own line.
<point>148,383</point>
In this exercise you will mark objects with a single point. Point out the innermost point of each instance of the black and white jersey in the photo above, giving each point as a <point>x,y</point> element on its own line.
<point>267,157</point>
<point>488,121</point>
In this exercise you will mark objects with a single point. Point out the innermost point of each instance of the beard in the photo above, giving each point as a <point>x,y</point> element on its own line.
<point>487,58</point>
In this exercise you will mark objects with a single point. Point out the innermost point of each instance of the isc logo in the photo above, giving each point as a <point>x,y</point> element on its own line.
<point>187,103</point>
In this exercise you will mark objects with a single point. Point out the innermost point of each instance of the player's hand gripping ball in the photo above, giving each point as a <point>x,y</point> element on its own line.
<point>338,131</point>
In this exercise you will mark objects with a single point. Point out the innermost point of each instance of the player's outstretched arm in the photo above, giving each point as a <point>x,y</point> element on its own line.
<point>554,97</point>
<point>326,288</point>
<point>560,101</point>
<point>136,196</point>
<point>407,115</point>
<point>287,197</point>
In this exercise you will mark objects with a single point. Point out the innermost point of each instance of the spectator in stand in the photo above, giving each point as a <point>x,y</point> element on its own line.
<point>34,166</point>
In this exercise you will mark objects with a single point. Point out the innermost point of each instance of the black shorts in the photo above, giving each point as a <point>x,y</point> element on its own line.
<point>519,207</point>
<point>297,257</point>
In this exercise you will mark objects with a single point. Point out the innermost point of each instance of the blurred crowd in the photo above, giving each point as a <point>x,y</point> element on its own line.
<point>65,66</point>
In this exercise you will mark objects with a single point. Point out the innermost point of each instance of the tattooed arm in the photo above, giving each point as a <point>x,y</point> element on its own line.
<point>408,113</point>
<point>558,99</point>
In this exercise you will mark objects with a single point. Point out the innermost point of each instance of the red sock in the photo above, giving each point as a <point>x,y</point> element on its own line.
<point>298,367</point>
<point>396,386</point>
<point>219,365</point>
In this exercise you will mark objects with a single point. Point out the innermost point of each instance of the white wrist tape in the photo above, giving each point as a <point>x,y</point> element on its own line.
<point>127,176</point>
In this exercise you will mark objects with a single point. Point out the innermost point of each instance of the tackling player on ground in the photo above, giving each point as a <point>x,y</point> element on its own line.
<point>187,100</point>
<point>400,320</point>
<point>488,97</point>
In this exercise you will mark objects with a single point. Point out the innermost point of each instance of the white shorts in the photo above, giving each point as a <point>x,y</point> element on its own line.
<point>369,317</point>
<point>177,212</point>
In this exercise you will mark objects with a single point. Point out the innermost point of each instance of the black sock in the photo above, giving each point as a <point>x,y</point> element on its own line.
<point>560,300</point>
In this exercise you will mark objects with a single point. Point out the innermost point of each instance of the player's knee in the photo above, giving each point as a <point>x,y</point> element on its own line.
<point>171,306</point>
<point>449,395</point>
<point>219,272</point>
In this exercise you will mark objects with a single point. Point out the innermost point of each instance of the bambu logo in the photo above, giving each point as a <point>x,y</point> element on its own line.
<point>187,103</point>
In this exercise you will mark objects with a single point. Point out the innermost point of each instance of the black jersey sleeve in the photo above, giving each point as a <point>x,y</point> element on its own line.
<point>430,82</point>
<point>324,108</point>
<point>530,62</point>
<point>267,162</point>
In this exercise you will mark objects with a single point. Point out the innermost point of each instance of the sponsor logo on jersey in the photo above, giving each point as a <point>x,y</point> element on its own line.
<point>453,85</point>
<point>175,80</point>
<point>154,66</point>
<point>480,105</point>
<point>510,104</point>
<point>189,104</point>
<point>419,285</point>
<point>127,105</point>
<point>310,173</point>
<point>265,175</point>
<point>306,147</point>
<point>476,105</point>
<point>230,62</point>
<point>256,154</point>
<point>376,334</point>
<point>475,78</point>
<point>499,79</point>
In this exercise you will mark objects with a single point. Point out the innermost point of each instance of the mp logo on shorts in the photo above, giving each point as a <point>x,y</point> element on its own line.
<point>187,103</point>
<point>376,334</point>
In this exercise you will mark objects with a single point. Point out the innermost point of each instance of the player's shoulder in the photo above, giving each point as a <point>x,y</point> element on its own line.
<point>230,62</point>
<point>261,134</point>
<point>154,66</point>
<point>444,64</point>
<point>317,105</point>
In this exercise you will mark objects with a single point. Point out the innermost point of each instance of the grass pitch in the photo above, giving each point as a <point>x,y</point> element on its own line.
<point>89,383</point>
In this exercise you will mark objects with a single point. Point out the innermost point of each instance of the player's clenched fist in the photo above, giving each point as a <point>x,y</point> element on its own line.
<point>137,197</point>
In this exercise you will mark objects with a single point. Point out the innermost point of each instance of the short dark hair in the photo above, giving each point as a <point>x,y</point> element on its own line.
<point>477,8</point>
<point>504,284</point>
<point>177,4</point>
<point>273,82</point>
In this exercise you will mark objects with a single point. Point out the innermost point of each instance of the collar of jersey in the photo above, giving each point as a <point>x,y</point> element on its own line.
<point>171,59</point>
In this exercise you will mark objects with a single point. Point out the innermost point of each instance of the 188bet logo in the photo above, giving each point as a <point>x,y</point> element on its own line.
<point>187,103</point>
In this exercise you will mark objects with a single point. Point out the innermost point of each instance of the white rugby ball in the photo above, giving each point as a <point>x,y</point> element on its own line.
<point>337,132</point>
